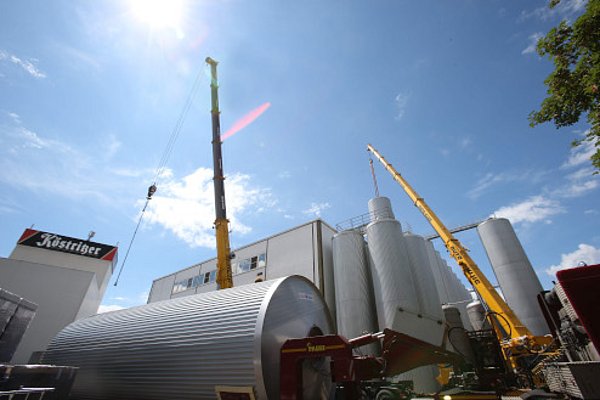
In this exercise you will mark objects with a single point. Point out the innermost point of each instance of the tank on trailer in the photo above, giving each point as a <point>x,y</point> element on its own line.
<point>183,348</point>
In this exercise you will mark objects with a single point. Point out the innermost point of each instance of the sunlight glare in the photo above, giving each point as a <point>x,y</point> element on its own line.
<point>159,14</point>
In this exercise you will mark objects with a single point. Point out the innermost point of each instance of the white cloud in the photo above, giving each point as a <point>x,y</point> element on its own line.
<point>564,9</point>
<point>533,39</point>
<point>534,209</point>
<point>26,65</point>
<point>401,101</point>
<point>284,175</point>
<point>112,146</point>
<point>15,117</point>
<point>491,179</point>
<point>109,307</point>
<point>31,161</point>
<point>591,212</point>
<point>578,183</point>
<point>584,253</point>
<point>580,155</point>
<point>185,206</point>
<point>316,209</point>
<point>465,142</point>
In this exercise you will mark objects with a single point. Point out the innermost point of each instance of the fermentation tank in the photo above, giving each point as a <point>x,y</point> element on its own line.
<point>395,287</point>
<point>429,300</point>
<point>354,300</point>
<point>514,272</point>
<point>182,348</point>
<point>476,314</point>
<point>457,334</point>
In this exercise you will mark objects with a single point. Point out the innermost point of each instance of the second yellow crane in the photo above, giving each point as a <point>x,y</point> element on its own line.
<point>515,338</point>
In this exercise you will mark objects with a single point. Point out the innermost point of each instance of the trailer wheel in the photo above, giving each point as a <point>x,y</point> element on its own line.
<point>387,394</point>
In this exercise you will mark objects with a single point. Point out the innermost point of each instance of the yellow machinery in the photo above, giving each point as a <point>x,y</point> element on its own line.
<point>224,277</point>
<point>516,340</point>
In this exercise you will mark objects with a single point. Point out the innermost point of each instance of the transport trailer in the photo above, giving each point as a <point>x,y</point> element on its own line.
<point>356,375</point>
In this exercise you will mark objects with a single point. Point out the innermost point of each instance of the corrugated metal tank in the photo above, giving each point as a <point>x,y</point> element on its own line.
<point>180,349</point>
<point>514,272</point>
<point>354,300</point>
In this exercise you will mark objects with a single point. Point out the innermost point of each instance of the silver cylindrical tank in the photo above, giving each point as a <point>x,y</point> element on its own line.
<point>457,294</point>
<point>429,300</point>
<point>438,277</point>
<point>514,272</point>
<point>476,314</point>
<point>380,208</point>
<point>182,348</point>
<point>457,334</point>
<point>354,300</point>
<point>394,286</point>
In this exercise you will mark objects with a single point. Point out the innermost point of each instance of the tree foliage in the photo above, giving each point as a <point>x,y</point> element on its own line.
<point>574,85</point>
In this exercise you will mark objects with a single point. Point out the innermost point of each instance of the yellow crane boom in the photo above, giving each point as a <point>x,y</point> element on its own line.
<point>224,276</point>
<point>515,338</point>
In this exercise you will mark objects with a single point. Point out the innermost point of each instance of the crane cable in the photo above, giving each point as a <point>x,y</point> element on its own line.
<point>162,163</point>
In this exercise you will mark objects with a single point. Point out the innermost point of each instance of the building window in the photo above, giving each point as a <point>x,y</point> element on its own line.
<point>262,260</point>
<point>253,262</point>
<point>244,266</point>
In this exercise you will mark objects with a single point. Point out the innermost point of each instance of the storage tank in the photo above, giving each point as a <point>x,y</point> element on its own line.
<point>354,300</point>
<point>514,272</point>
<point>393,285</point>
<point>182,348</point>
<point>457,334</point>
<point>438,276</point>
<point>457,294</point>
<point>429,300</point>
<point>395,288</point>
<point>476,314</point>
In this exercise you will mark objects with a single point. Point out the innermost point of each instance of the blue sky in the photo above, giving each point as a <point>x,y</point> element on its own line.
<point>90,92</point>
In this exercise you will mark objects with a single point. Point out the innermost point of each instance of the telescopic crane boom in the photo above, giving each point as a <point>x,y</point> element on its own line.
<point>509,329</point>
<point>224,276</point>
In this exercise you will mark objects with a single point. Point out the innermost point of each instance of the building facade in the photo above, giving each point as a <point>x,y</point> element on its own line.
<point>304,250</point>
<point>66,277</point>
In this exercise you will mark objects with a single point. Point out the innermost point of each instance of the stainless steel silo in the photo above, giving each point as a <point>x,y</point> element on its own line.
<point>354,300</point>
<point>476,314</point>
<point>438,277</point>
<point>182,348</point>
<point>514,272</point>
<point>395,288</point>
<point>457,294</point>
<point>457,334</point>
<point>429,300</point>
<point>380,208</point>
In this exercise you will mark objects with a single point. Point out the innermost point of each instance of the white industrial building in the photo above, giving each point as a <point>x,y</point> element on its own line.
<point>304,250</point>
<point>66,277</point>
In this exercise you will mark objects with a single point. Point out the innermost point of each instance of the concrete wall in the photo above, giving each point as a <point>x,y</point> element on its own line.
<point>62,295</point>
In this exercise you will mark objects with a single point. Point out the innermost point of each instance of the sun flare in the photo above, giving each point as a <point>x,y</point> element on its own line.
<point>159,14</point>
